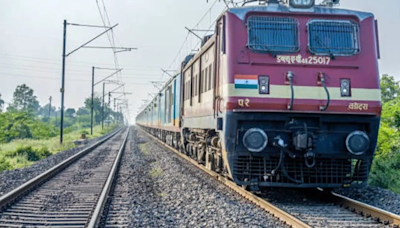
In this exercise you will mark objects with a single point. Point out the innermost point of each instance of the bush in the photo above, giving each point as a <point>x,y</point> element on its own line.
<point>4,165</point>
<point>84,132</point>
<point>31,154</point>
<point>386,171</point>
<point>42,130</point>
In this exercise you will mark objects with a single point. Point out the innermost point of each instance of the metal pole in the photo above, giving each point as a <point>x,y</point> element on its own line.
<point>50,108</point>
<point>63,82</point>
<point>92,104</point>
<point>109,105</point>
<point>102,111</point>
<point>115,110</point>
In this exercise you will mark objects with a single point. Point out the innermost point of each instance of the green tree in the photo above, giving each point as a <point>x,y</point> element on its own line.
<point>1,103</point>
<point>389,87</point>
<point>44,111</point>
<point>15,125</point>
<point>82,112</point>
<point>70,112</point>
<point>24,100</point>
<point>96,107</point>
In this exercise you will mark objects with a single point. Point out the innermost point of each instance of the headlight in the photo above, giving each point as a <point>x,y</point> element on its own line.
<point>302,3</point>
<point>345,88</point>
<point>357,142</point>
<point>255,140</point>
<point>263,84</point>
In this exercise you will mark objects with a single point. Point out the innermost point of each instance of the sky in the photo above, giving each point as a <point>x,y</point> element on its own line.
<point>31,33</point>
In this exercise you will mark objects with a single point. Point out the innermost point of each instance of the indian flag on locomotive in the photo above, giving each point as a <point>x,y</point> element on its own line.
<point>246,81</point>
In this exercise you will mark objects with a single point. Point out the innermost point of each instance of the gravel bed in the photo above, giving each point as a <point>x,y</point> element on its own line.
<point>375,196</point>
<point>70,193</point>
<point>167,191</point>
<point>10,180</point>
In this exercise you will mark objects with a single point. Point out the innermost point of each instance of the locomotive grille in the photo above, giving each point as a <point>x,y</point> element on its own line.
<point>272,34</point>
<point>326,171</point>
<point>333,37</point>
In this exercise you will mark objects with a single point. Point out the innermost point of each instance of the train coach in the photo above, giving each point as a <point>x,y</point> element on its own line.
<point>282,95</point>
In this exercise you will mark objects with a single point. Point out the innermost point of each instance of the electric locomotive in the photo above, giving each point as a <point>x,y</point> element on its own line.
<point>282,95</point>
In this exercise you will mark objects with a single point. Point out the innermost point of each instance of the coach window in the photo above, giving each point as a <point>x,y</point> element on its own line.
<point>188,90</point>
<point>202,84</point>
<point>210,77</point>
<point>200,87</point>
<point>205,79</point>
<point>195,86</point>
<point>222,34</point>
<point>206,75</point>
<point>168,104</point>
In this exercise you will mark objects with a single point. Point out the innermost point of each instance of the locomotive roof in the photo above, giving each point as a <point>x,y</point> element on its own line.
<point>242,11</point>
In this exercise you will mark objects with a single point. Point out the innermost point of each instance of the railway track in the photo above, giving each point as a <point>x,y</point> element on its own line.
<point>71,194</point>
<point>335,211</point>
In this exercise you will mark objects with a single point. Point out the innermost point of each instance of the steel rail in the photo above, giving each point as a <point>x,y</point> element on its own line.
<point>98,211</point>
<point>262,203</point>
<point>382,216</point>
<point>14,194</point>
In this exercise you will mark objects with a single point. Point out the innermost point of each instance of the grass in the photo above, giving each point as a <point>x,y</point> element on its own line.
<point>155,172</point>
<point>161,194</point>
<point>10,160</point>
<point>144,148</point>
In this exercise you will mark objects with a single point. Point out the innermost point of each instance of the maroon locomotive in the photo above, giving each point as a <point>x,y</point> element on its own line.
<point>281,95</point>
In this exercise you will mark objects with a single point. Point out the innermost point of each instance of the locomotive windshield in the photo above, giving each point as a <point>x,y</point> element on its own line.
<point>272,34</point>
<point>333,37</point>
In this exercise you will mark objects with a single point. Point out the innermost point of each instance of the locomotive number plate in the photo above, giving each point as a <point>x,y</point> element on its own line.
<point>311,60</point>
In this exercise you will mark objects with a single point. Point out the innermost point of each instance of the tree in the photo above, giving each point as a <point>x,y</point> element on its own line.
<point>96,107</point>
<point>44,111</point>
<point>70,112</point>
<point>24,100</point>
<point>82,112</point>
<point>1,103</point>
<point>389,87</point>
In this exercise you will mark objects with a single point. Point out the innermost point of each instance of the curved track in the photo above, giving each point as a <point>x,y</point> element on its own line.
<point>71,194</point>
<point>334,211</point>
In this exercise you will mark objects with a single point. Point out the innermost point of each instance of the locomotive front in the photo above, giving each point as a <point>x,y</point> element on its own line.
<point>301,97</point>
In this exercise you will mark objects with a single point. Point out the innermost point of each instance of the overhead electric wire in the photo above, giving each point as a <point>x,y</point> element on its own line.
<point>135,73</point>
<point>57,62</point>
<point>56,78</point>
<point>112,41</point>
<point>187,36</point>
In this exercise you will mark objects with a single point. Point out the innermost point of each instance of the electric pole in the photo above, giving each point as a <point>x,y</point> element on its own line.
<point>63,82</point>
<point>109,108</point>
<point>50,108</point>
<point>92,104</point>
<point>102,110</point>
<point>64,56</point>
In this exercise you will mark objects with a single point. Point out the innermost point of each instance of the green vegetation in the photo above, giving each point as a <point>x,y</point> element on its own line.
<point>385,171</point>
<point>29,132</point>
<point>144,148</point>
<point>155,172</point>
<point>22,153</point>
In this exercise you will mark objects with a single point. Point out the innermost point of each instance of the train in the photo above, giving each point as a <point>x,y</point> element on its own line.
<point>285,94</point>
